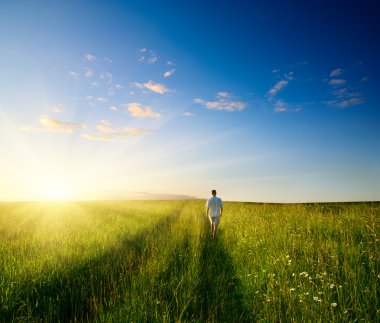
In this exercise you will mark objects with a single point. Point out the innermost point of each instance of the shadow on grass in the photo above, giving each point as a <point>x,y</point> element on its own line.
<point>219,292</point>
<point>202,289</point>
<point>85,289</point>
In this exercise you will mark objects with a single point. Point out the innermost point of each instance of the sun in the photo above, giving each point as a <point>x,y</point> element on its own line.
<point>57,191</point>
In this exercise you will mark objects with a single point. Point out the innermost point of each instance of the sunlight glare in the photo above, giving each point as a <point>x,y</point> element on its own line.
<point>56,191</point>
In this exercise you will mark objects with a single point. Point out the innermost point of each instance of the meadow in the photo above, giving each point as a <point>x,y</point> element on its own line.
<point>155,261</point>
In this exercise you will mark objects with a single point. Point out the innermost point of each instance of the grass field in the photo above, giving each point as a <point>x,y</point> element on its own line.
<point>138,261</point>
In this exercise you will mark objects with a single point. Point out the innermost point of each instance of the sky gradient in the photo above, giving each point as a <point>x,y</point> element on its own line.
<point>264,101</point>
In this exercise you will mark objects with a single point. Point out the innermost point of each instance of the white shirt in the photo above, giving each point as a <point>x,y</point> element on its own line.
<point>214,203</point>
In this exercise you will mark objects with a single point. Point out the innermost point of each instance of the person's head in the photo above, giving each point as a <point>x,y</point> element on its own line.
<point>213,192</point>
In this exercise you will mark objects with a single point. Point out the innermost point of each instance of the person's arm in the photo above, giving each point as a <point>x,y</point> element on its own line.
<point>221,210</point>
<point>207,211</point>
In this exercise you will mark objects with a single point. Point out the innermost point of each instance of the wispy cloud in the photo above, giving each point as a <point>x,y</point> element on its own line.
<point>345,103</point>
<point>152,60</point>
<point>90,100</point>
<point>106,77</point>
<point>108,132</point>
<point>187,114</point>
<point>223,95</point>
<point>148,56</point>
<point>169,73</point>
<point>57,109</point>
<point>73,74</point>
<point>336,72</point>
<point>223,102</point>
<point>337,82</point>
<point>280,106</point>
<point>138,111</point>
<point>88,73</point>
<point>342,91</point>
<point>155,87</point>
<point>89,57</point>
<point>280,85</point>
<point>48,124</point>
<point>113,108</point>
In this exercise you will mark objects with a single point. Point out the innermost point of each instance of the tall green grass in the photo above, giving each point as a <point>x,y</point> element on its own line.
<point>137,261</point>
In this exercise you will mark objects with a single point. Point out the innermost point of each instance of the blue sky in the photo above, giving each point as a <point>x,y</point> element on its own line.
<point>262,100</point>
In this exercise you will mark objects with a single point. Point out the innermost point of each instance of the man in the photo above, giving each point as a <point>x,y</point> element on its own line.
<point>214,210</point>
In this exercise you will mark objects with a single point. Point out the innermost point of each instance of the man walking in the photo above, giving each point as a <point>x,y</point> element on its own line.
<point>214,210</point>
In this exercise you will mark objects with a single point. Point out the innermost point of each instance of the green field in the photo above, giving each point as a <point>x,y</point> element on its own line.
<point>138,261</point>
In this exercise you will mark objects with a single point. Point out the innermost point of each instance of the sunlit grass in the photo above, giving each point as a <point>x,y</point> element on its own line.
<point>155,261</point>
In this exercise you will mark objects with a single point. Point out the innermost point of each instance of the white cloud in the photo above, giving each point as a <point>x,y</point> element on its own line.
<point>88,73</point>
<point>169,63</point>
<point>289,76</point>
<point>337,82</point>
<point>100,99</point>
<point>343,93</point>
<point>138,111</point>
<point>340,92</point>
<point>224,95</point>
<point>187,114</point>
<point>169,73</point>
<point>155,87</point>
<point>345,103</point>
<point>148,56</point>
<point>280,106</point>
<point>109,132</point>
<point>113,108</point>
<point>152,59</point>
<point>108,60</point>
<point>118,86</point>
<point>58,109</point>
<point>106,75</point>
<point>336,72</point>
<point>73,74</point>
<point>224,102</point>
<point>280,84</point>
<point>90,100</point>
<point>48,124</point>
<point>89,57</point>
